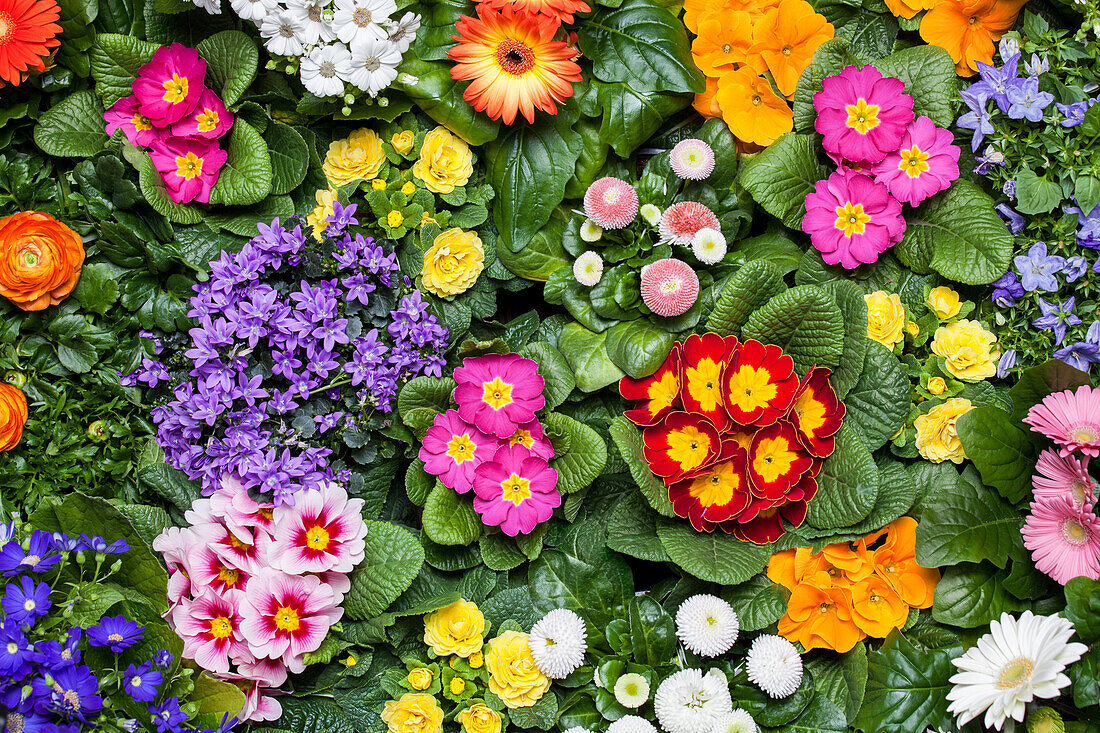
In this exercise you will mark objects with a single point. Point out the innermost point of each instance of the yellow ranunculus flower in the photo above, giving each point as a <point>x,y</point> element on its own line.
<point>453,262</point>
<point>885,318</point>
<point>420,678</point>
<point>402,141</point>
<point>358,156</point>
<point>944,301</point>
<point>425,219</point>
<point>378,184</point>
<point>395,219</point>
<point>318,218</point>
<point>913,329</point>
<point>413,713</point>
<point>479,718</point>
<point>445,161</point>
<point>937,439</point>
<point>513,676</point>
<point>455,629</point>
<point>476,660</point>
<point>457,685</point>
<point>936,385</point>
<point>970,352</point>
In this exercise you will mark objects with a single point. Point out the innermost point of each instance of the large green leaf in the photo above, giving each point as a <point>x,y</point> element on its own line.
<point>289,157</point>
<point>759,602</point>
<point>972,595</point>
<point>847,485</point>
<point>628,438</point>
<point>715,556</point>
<point>1083,607</point>
<point>429,84</point>
<point>631,115</point>
<point>965,522</point>
<point>72,128</point>
<point>929,76</point>
<point>782,174</point>
<point>450,519</point>
<point>805,322</point>
<point>878,404</point>
<point>586,353</point>
<point>842,679</point>
<point>907,687</point>
<point>116,60</point>
<point>652,632</point>
<point>632,530</point>
<point>1003,453</point>
<point>849,298</point>
<point>579,452</point>
<point>1036,383</point>
<point>638,347</point>
<point>393,558</point>
<point>543,255</point>
<point>231,61</point>
<point>596,582</point>
<point>313,714</point>
<point>246,176</point>
<point>752,286</point>
<point>1036,194</point>
<point>214,698</point>
<point>554,369</point>
<point>156,194</point>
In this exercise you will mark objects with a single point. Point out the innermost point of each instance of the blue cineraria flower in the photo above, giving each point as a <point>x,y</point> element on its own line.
<point>55,655</point>
<point>167,716</point>
<point>1007,290</point>
<point>977,119</point>
<point>115,633</point>
<point>141,682</point>
<point>1057,318</point>
<point>1089,233</point>
<point>225,726</point>
<point>98,544</point>
<point>36,558</point>
<point>1081,355</point>
<point>1012,218</point>
<point>73,692</point>
<point>130,725</point>
<point>995,82</point>
<point>1007,361</point>
<point>1037,268</point>
<point>1026,101</point>
<point>163,659</point>
<point>7,532</point>
<point>15,649</point>
<point>1038,65</point>
<point>1075,268</point>
<point>1074,113</point>
<point>64,543</point>
<point>26,602</point>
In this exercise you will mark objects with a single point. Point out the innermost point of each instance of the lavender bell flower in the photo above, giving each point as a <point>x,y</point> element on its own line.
<point>1026,101</point>
<point>1093,335</point>
<point>977,119</point>
<point>1038,65</point>
<point>1007,290</point>
<point>1075,268</point>
<point>1014,220</point>
<point>1006,363</point>
<point>1074,113</point>
<point>995,82</point>
<point>1089,233</point>
<point>1081,355</point>
<point>1009,188</point>
<point>1037,268</point>
<point>1057,317</point>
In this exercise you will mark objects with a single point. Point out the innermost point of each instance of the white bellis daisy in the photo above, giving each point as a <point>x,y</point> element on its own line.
<point>774,665</point>
<point>557,643</point>
<point>707,625</point>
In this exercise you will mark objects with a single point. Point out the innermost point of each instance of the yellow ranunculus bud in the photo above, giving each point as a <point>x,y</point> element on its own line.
<point>479,718</point>
<point>445,161</point>
<point>409,188</point>
<point>937,438</point>
<point>395,219</point>
<point>936,385</point>
<point>913,329</point>
<point>969,351</point>
<point>413,713</point>
<point>378,184</point>
<point>455,629</point>
<point>420,678</point>
<point>402,141</point>
<point>476,660</point>
<point>944,301</point>
<point>457,685</point>
<point>359,156</point>
<point>426,219</point>
<point>885,318</point>
<point>513,675</point>
<point>453,263</point>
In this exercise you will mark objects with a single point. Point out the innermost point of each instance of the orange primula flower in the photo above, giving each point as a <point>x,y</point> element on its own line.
<point>659,392</point>
<point>13,415</point>
<point>705,358</point>
<point>786,38</point>
<point>696,11</point>
<point>968,29</point>
<point>909,8</point>
<point>706,101</point>
<point>680,445</point>
<point>724,42</point>
<point>753,112</point>
<point>896,562</point>
<point>877,609</point>
<point>561,9</point>
<point>820,616</point>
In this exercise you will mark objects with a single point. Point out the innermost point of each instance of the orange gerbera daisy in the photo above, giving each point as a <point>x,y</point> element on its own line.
<point>725,41</point>
<point>513,63</point>
<point>786,38</point>
<point>968,29</point>
<point>753,112</point>
<point>561,9</point>
<point>28,30</point>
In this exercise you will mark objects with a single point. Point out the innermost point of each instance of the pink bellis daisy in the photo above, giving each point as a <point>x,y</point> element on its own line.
<point>168,87</point>
<point>499,392</point>
<point>862,114</point>
<point>210,626</point>
<point>516,490</point>
<point>682,221</point>
<point>190,168</point>
<point>611,202</point>
<point>928,162</point>
<point>286,616</point>
<point>692,159</point>
<point>1063,476</point>
<point>208,120</point>
<point>323,530</point>
<point>453,448</point>
<point>1064,540</point>
<point>669,287</point>
<point>1069,418</point>
<point>138,129</point>
<point>532,437</point>
<point>851,219</point>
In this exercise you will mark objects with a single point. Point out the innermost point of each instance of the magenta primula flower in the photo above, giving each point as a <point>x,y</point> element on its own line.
<point>286,616</point>
<point>189,168</point>
<point>862,114</point>
<point>323,530</point>
<point>138,129</point>
<point>532,437</point>
<point>209,119</point>
<point>499,392</point>
<point>926,163</point>
<point>453,448</point>
<point>516,490</point>
<point>210,626</point>
<point>168,87</point>
<point>851,219</point>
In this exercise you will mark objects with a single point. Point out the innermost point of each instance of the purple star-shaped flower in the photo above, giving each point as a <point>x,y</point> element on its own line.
<point>1057,317</point>
<point>1081,355</point>
<point>1026,101</point>
<point>1037,268</point>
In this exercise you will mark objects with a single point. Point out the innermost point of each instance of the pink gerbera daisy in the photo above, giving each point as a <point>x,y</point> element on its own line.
<point>286,616</point>
<point>862,114</point>
<point>499,392</point>
<point>532,437</point>
<point>681,221</point>
<point>453,448</point>
<point>170,85</point>
<point>669,287</point>
<point>324,530</point>
<point>210,626</point>
<point>1063,476</point>
<point>692,159</point>
<point>611,202</point>
<point>1064,540</point>
<point>1069,418</point>
<point>516,490</point>
<point>927,163</point>
<point>851,219</point>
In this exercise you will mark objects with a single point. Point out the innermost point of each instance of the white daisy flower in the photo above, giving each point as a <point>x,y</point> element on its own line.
<point>631,690</point>
<point>774,665</point>
<point>588,268</point>
<point>357,20</point>
<point>708,245</point>
<point>689,701</point>
<point>651,214</point>
<point>631,724</point>
<point>1018,661</point>
<point>577,729</point>
<point>284,33</point>
<point>707,625</point>
<point>591,231</point>
<point>557,643</point>
<point>325,68</point>
<point>316,28</point>
<point>403,32</point>
<point>254,10</point>
<point>214,7</point>
<point>739,721</point>
<point>373,65</point>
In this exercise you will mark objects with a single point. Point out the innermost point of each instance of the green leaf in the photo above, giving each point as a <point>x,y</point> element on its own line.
<point>628,438</point>
<point>820,716</point>
<point>849,299</point>
<point>1083,607</point>
<point>907,687</point>
<point>243,221</point>
<point>156,194</point>
<point>313,714</point>
<point>579,452</point>
<point>116,60</point>
<point>540,716</point>
<point>972,595</point>
<point>96,599</point>
<point>878,404</point>
<point>967,523</point>
<point>1037,382</point>
<point>632,530</point>
<point>147,521</point>
<point>450,519</point>
<point>1086,191</point>
<point>214,698</point>
<point>751,287</point>
<point>716,556</point>
<point>553,368</point>
<point>780,176</point>
<point>805,322</point>
<point>499,552</point>
<point>830,58</point>
<point>652,632</point>
<point>440,97</point>
<point>97,289</point>
<point>246,176</point>
<point>231,61</point>
<point>393,558</point>
<point>631,115</point>
<point>1036,194</point>
<point>594,583</point>
<point>847,485</point>
<point>543,255</point>
<point>430,393</point>
<point>586,353</point>
<point>759,602</point>
<point>171,485</point>
<point>842,679</point>
<point>638,347</point>
<point>72,128</point>
<point>1002,452</point>
<point>289,157</point>
<point>929,76</point>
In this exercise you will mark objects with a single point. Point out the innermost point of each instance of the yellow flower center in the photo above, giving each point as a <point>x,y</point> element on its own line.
<point>717,487</point>
<point>114,637</point>
<point>318,538</point>
<point>757,100</point>
<point>461,448</point>
<point>141,123</point>
<point>703,383</point>
<point>522,437</point>
<point>1084,434</point>
<point>175,89</point>
<point>914,161</point>
<point>1015,673</point>
<point>516,489</point>
<point>863,117</point>
<point>689,447</point>
<point>1074,532</point>
<point>208,120</point>
<point>188,166</point>
<point>750,388</point>
<point>221,627</point>
<point>229,576</point>
<point>286,619</point>
<point>851,219</point>
<point>787,51</point>
<point>498,393</point>
<point>72,700</point>
<point>773,458</point>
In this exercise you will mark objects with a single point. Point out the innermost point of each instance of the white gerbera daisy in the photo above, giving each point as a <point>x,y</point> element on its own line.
<point>373,65</point>
<point>631,690</point>
<point>651,214</point>
<point>356,20</point>
<point>591,231</point>
<point>577,729</point>
<point>588,268</point>
<point>403,32</point>
<point>707,625</point>
<point>284,33</point>
<point>774,665</point>
<point>739,721</point>
<point>316,27</point>
<point>689,701</point>
<point>325,68</point>
<point>254,10</point>
<point>631,724</point>
<point>557,643</point>
<point>708,245</point>
<point>1018,661</point>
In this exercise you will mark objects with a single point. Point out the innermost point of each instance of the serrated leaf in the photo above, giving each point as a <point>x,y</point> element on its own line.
<point>156,194</point>
<point>499,552</point>
<point>393,557</point>
<point>554,369</point>
<point>628,439</point>
<point>847,485</point>
<point>849,299</point>
<point>967,523</point>
<point>431,393</point>
<point>751,287</point>
<point>289,157</point>
<point>759,602</point>
<point>586,353</point>
<point>583,456</point>
<point>246,176</point>
<point>780,176</point>
<point>805,322</point>
<point>632,530</point>
<point>716,556</point>
<point>450,519</point>
<point>313,714</point>
<point>72,128</point>
<point>878,404</point>
<point>116,60</point>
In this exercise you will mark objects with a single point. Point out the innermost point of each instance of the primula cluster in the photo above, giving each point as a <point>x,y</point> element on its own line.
<point>174,116</point>
<point>852,590</point>
<point>884,157</point>
<point>253,587</point>
<point>494,443</point>
<point>738,42</point>
<point>277,360</point>
<point>735,435</point>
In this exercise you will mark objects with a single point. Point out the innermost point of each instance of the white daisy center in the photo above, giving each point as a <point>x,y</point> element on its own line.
<point>286,30</point>
<point>362,17</point>
<point>373,63</point>
<point>327,69</point>
<point>314,13</point>
<point>1015,673</point>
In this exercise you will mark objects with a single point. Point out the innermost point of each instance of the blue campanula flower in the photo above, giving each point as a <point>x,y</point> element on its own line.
<point>977,119</point>
<point>1038,65</point>
<point>1088,235</point>
<point>1093,335</point>
<point>1057,318</point>
<point>995,82</point>
<point>25,602</point>
<point>1037,268</point>
<point>141,682</point>
<point>1009,188</point>
<point>1075,268</point>
<point>1006,363</point>
<point>1007,290</point>
<point>1026,101</point>
<point>1013,219</point>
<point>37,558</point>
<point>115,632</point>
<point>163,659</point>
<point>1074,113</point>
<point>1081,355</point>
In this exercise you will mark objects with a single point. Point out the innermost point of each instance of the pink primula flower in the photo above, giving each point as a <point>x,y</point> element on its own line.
<point>209,119</point>
<point>324,530</point>
<point>208,568</point>
<point>267,672</point>
<point>189,168</point>
<point>242,514</point>
<point>286,616</point>
<point>138,129</point>
<point>453,448</point>
<point>532,437</point>
<point>516,490</point>
<point>235,551</point>
<point>851,219</point>
<point>499,392</point>
<point>927,163</point>
<point>210,626</point>
<point>862,114</point>
<point>257,705</point>
<point>169,87</point>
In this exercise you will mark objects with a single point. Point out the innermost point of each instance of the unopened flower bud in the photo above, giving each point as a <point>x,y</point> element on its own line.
<point>116,566</point>
<point>349,99</point>
<point>97,431</point>
<point>383,102</point>
<point>15,378</point>
<point>346,111</point>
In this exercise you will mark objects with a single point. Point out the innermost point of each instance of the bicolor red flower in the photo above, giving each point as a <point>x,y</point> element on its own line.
<point>705,359</point>
<point>499,392</point>
<point>210,626</point>
<point>679,445</point>
<point>516,491</point>
<point>714,494</point>
<point>817,413</point>
<point>762,521</point>
<point>659,393</point>
<point>453,448</point>
<point>759,384</point>
<point>286,616</point>
<point>324,530</point>
<point>776,461</point>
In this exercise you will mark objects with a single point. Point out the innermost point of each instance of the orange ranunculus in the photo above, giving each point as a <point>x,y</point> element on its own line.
<point>909,8</point>
<point>706,101</point>
<point>724,42</point>
<point>40,260</point>
<point>968,29</point>
<point>13,415</point>
<point>876,608</point>
<point>820,616</point>
<point>786,38</point>
<point>753,112</point>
